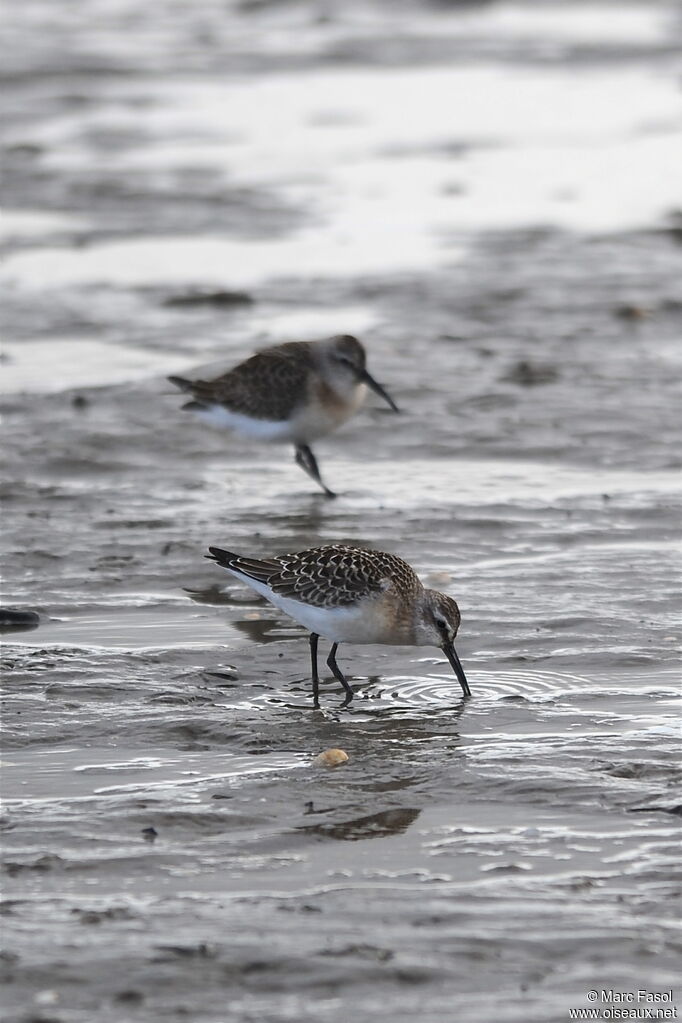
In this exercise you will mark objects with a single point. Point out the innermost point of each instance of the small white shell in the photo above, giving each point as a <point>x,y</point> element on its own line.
<point>330,758</point>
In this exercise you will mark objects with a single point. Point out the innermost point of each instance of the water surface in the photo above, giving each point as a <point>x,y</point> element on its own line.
<point>468,188</point>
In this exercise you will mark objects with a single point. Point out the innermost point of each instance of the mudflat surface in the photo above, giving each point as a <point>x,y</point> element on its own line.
<point>469,189</point>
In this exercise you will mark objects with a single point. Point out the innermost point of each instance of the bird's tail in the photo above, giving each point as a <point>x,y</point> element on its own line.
<point>246,568</point>
<point>182,383</point>
<point>226,559</point>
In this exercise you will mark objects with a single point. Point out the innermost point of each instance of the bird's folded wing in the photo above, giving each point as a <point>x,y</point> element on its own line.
<point>334,580</point>
<point>269,385</point>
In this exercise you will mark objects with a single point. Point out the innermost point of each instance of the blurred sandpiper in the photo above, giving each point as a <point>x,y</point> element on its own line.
<point>352,595</point>
<point>291,393</point>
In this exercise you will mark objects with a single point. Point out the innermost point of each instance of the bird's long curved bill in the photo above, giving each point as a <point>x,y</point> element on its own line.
<point>454,660</point>
<point>368,379</point>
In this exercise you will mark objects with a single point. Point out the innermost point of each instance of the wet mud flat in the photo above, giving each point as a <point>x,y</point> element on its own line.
<point>170,849</point>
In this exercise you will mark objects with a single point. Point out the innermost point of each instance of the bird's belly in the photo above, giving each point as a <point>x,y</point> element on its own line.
<point>262,429</point>
<point>369,621</point>
<point>362,623</point>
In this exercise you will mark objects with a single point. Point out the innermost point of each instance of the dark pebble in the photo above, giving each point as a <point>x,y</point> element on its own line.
<point>11,618</point>
<point>528,374</point>
<point>676,809</point>
<point>630,312</point>
<point>129,997</point>
<point>222,299</point>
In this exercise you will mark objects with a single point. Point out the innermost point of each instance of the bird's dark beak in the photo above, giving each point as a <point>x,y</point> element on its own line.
<point>451,654</point>
<point>368,379</point>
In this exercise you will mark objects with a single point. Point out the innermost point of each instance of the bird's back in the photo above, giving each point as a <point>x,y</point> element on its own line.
<point>269,385</point>
<point>335,575</point>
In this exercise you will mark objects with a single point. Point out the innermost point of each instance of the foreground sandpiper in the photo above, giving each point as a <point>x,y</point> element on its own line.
<point>291,393</point>
<point>352,595</point>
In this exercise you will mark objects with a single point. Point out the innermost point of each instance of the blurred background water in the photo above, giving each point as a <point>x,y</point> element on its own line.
<point>488,194</point>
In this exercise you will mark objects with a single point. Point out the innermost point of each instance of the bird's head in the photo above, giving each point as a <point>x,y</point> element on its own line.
<point>437,625</point>
<point>345,357</point>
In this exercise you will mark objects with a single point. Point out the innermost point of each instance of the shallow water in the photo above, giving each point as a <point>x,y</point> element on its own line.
<point>467,187</point>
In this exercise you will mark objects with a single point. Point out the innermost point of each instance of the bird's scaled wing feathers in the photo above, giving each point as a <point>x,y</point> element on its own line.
<point>269,385</point>
<point>337,576</point>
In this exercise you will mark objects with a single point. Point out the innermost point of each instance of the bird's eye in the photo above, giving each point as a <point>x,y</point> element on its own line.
<point>441,623</point>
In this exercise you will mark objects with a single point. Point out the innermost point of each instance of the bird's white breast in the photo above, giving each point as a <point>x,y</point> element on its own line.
<point>325,411</point>
<point>262,429</point>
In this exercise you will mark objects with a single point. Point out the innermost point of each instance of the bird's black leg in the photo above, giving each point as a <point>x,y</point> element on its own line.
<point>307,461</point>
<point>313,659</point>
<point>331,661</point>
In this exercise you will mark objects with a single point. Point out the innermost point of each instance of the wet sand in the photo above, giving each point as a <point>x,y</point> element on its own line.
<point>467,188</point>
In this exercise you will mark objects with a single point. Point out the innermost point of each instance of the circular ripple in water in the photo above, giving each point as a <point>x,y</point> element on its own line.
<point>519,684</point>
